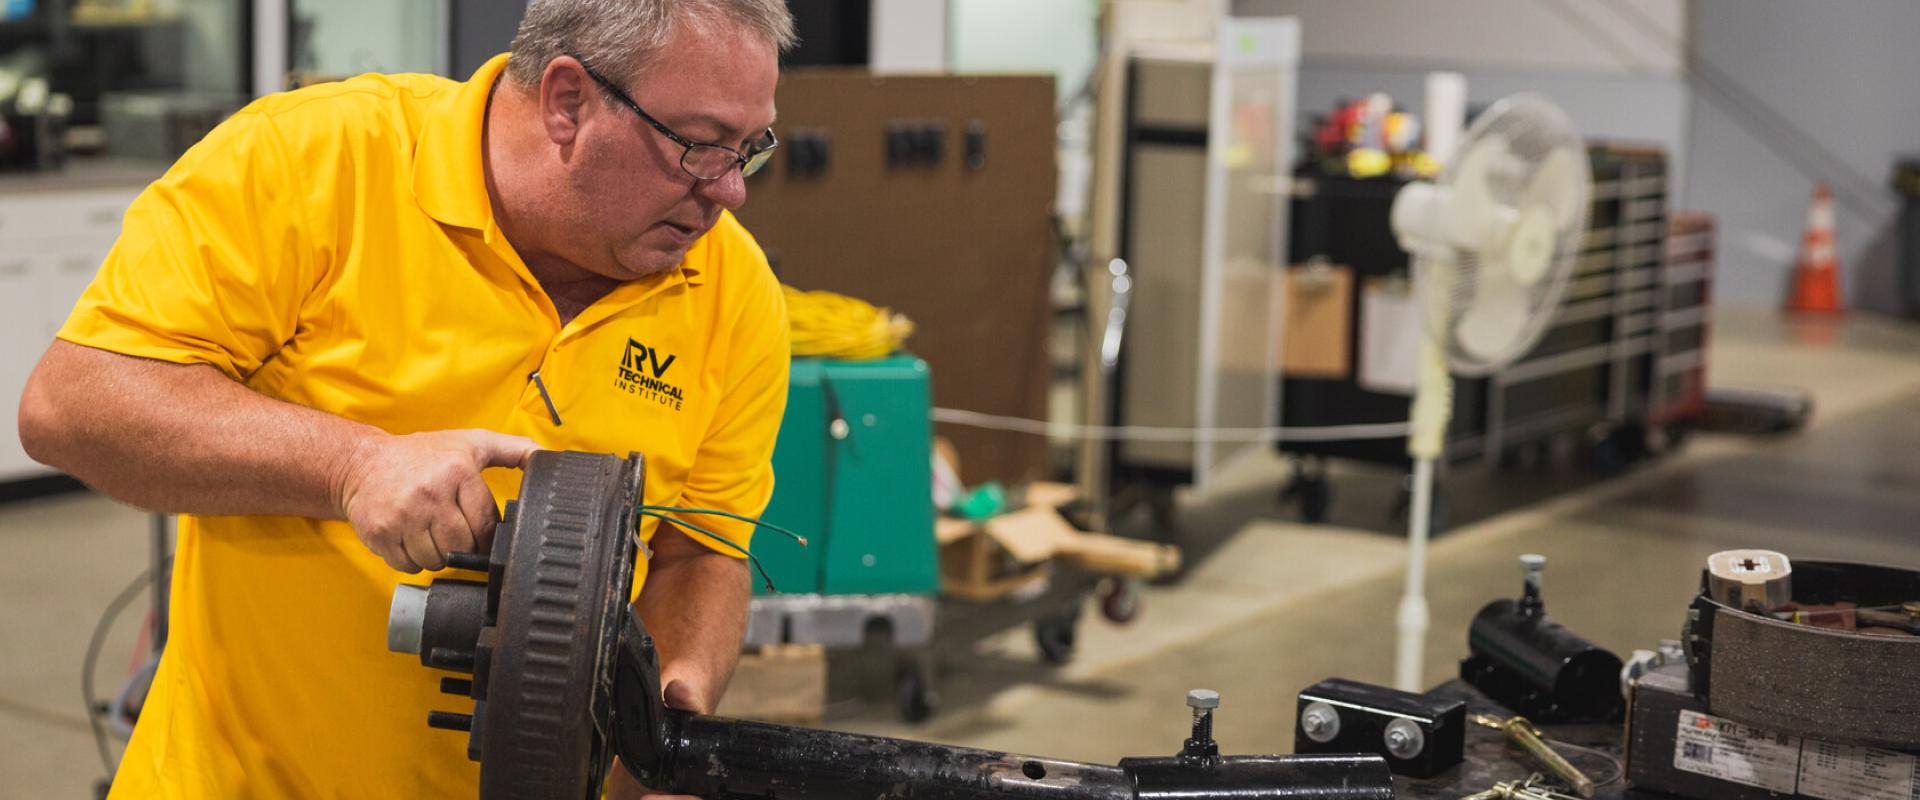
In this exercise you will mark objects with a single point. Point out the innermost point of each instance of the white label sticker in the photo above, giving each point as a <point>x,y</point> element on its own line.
<point>1840,772</point>
<point>1729,751</point>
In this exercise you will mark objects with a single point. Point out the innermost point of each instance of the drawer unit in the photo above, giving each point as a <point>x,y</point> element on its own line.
<point>51,244</point>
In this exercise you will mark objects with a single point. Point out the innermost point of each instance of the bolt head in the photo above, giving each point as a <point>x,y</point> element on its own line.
<point>1404,739</point>
<point>1203,699</point>
<point>1534,562</point>
<point>1320,722</point>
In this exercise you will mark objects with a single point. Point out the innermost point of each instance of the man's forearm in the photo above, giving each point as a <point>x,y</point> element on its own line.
<point>695,604</point>
<point>183,438</point>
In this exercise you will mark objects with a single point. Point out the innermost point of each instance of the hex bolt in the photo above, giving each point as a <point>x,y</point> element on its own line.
<point>1532,565</point>
<point>1405,739</point>
<point>1320,722</point>
<point>1203,702</point>
<point>1201,748</point>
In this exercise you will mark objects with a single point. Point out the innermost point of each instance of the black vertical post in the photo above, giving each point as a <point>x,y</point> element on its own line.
<point>162,527</point>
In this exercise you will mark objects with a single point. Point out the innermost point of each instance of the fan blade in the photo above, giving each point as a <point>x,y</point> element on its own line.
<point>1478,211</point>
<point>1561,183</point>
<point>1492,324</point>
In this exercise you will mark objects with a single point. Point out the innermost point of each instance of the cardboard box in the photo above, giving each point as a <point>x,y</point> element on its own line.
<point>1001,556</point>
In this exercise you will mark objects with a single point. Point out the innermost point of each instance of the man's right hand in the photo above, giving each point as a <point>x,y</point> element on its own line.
<point>415,498</point>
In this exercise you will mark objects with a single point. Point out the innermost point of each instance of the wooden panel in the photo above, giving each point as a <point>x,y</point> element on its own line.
<point>966,253</point>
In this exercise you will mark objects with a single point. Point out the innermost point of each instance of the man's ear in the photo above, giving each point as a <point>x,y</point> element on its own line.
<point>564,92</point>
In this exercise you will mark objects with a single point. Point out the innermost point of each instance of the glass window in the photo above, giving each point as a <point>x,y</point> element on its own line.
<point>343,38</point>
<point>95,50</point>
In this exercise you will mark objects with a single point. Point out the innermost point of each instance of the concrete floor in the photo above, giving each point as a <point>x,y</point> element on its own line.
<point>1269,607</point>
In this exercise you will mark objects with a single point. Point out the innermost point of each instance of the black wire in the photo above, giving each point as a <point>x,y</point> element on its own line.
<point>100,629</point>
<point>1618,771</point>
<point>751,558</point>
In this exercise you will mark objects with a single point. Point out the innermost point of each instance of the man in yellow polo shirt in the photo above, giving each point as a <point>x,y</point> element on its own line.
<point>328,333</point>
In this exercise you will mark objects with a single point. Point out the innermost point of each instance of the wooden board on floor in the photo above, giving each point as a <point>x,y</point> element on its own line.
<point>784,683</point>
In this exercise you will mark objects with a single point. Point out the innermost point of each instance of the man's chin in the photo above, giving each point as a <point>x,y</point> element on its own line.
<point>651,262</point>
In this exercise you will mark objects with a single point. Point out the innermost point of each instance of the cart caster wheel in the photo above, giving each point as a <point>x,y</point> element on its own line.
<point>1315,497</point>
<point>1529,457</point>
<point>1309,490</point>
<point>1618,450</point>
<point>1055,636</point>
<point>1120,600</point>
<point>1165,514</point>
<point>1311,496</point>
<point>913,695</point>
<point>1669,439</point>
<point>1678,434</point>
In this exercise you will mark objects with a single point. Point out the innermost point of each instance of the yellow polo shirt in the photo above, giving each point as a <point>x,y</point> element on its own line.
<point>334,247</point>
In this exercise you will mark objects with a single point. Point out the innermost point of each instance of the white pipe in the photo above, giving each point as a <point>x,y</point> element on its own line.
<point>1446,111</point>
<point>270,59</point>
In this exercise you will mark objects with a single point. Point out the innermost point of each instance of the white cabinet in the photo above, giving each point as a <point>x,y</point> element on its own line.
<point>51,243</point>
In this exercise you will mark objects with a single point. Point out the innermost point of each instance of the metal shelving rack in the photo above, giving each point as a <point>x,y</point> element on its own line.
<point>1621,367</point>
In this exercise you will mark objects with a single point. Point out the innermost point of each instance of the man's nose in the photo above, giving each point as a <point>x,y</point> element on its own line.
<point>729,191</point>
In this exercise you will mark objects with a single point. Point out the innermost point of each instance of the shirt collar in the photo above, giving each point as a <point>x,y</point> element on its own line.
<point>449,172</point>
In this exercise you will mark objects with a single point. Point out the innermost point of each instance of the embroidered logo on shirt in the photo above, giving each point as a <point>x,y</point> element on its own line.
<point>643,372</point>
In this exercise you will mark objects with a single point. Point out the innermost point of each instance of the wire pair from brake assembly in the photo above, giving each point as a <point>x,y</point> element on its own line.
<point>661,513</point>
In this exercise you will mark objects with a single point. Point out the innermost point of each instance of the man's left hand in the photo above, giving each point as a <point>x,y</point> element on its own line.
<point>621,784</point>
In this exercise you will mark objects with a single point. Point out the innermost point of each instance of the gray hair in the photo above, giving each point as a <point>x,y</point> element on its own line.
<point>619,37</point>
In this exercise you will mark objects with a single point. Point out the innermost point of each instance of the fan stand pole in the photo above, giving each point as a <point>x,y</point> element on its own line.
<point>1432,408</point>
<point>1411,622</point>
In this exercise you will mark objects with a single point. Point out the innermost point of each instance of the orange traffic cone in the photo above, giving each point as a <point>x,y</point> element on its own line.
<point>1816,280</point>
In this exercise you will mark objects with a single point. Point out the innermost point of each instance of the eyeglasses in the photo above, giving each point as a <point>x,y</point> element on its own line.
<point>707,162</point>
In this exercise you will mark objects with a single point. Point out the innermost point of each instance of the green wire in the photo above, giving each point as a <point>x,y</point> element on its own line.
<point>757,567</point>
<point>730,515</point>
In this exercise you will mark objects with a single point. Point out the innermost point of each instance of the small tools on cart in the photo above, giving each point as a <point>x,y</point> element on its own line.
<point>1529,738</point>
<point>1519,790</point>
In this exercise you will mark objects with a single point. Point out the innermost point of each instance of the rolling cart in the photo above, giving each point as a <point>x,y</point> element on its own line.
<point>854,467</point>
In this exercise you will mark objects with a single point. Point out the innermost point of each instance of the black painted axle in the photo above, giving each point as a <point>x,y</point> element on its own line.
<point>725,759</point>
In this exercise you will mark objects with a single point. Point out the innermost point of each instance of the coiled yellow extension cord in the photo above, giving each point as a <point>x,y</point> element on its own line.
<point>834,325</point>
